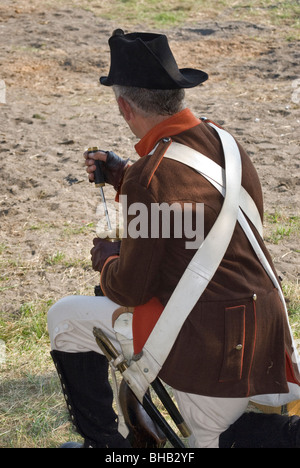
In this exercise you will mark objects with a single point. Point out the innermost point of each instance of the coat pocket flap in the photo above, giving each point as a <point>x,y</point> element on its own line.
<point>234,343</point>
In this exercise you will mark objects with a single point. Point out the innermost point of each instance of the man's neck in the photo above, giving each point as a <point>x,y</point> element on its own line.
<point>144,125</point>
<point>168,127</point>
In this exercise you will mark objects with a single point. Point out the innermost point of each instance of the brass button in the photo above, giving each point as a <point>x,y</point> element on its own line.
<point>239,347</point>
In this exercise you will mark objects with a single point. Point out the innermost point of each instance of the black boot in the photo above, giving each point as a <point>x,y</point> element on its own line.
<point>89,397</point>
<point>258,430</point>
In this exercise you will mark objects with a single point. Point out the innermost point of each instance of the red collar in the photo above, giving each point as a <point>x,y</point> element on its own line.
<point>176,124</point>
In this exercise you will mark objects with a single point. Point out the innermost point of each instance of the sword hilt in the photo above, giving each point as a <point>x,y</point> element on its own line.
<point>108,349</point>
<point>98,173</point>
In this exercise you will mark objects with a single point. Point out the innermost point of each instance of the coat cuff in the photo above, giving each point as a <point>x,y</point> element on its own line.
<point>108,260</point>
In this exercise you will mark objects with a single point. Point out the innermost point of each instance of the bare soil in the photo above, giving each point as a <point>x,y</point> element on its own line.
<point>51,60</point>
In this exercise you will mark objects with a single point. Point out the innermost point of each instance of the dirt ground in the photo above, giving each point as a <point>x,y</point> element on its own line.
<point>50,61</point>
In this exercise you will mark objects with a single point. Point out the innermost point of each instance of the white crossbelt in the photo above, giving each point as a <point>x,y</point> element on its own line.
<point>147,365</point>
<point>215,174</point>
<point>194,281</point>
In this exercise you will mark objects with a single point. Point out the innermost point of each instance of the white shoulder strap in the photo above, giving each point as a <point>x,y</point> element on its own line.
<point>195,279</point>
<point>216,176</point>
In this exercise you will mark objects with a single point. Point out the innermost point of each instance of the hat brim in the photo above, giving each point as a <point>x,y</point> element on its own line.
<point>192,77</point>
<point>186,78</point>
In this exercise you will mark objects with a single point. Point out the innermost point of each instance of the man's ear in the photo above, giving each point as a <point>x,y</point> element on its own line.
<point>125,109</point>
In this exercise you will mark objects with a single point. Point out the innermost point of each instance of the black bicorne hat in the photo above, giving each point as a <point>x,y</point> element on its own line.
<point>145,60</point>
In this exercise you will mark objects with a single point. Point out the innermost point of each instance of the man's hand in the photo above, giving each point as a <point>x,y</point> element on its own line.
<point>113,168</point>
<point>102,250</point>
<point>90,159</point>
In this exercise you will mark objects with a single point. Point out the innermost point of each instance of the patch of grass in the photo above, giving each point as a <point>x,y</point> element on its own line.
<point>152,12</point>
<point>3,247</point>
<point>71,229</point>
<point>280,226</point>
<point>177,12</point>
<point>274,12</point>
<point>285,15</point>
<point>33,412</point>
<point>292,294</point>
<point>28,332</point>
<point>32,408</point>
<point>157,14</point>
<point>55,258</point>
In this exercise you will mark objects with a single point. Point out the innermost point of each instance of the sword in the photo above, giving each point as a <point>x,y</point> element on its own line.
<point>99,183</point>
<point>121,364</point>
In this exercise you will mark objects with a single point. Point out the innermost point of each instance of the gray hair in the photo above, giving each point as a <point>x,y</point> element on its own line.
<point>150,102</point>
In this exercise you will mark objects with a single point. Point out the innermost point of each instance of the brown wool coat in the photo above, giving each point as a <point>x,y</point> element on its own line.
<point>240,305</point>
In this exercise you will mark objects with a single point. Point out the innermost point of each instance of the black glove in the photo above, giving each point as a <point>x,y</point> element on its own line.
<point>114,169</point>
<point>102,250</point>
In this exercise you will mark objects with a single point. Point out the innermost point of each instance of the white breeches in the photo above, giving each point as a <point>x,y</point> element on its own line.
<point>70,324</point>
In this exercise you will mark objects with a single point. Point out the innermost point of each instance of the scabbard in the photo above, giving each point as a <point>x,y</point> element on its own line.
<point>120,363</point>
<point>166,400</point>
